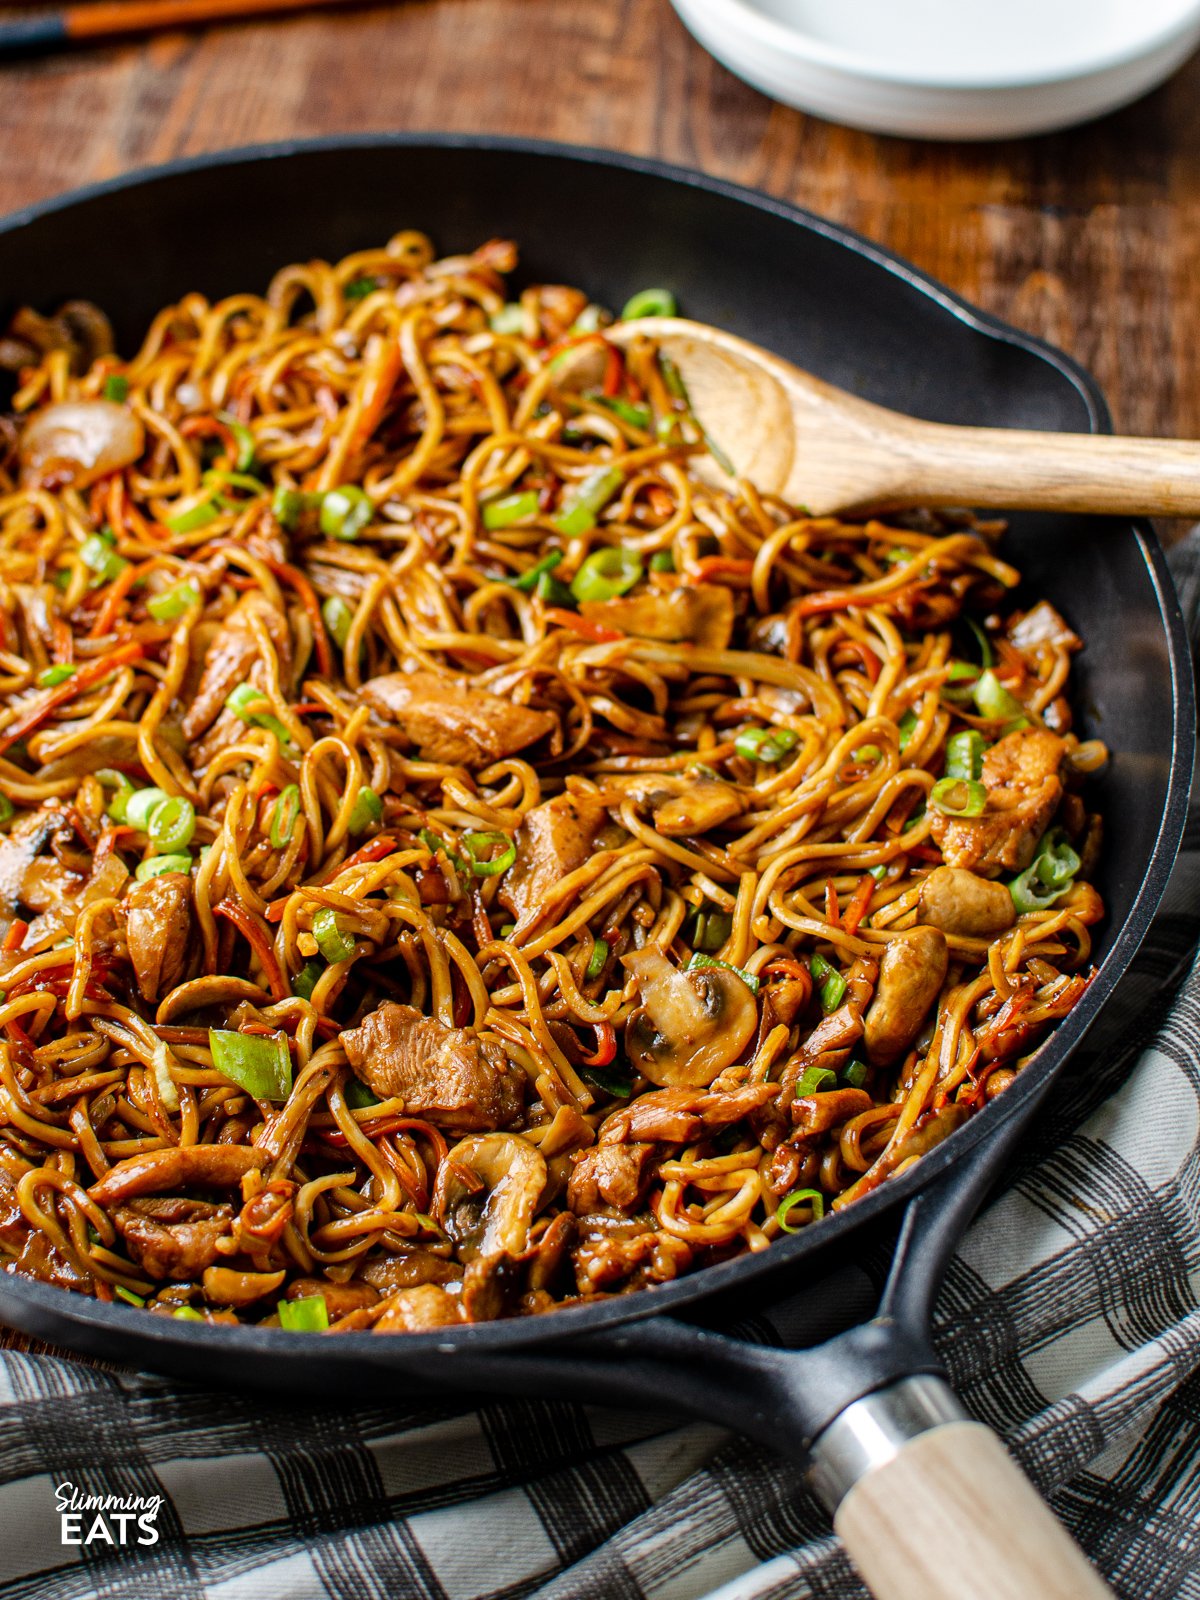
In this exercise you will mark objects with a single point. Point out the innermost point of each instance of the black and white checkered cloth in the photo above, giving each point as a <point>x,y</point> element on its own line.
<point>1070,1321</point>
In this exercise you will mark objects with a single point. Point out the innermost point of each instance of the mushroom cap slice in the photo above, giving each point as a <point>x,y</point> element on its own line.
<point>690,1025</point>
<point>493,1216</point>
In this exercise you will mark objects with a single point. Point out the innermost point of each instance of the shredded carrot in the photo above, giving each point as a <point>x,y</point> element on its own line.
<point>859,904</point>
<point>723,566</point>
<point>15,937</point>
<point>606,1046</point>
<point>613,372</point>
<point>580,625</point>
<point>115,592</point>
<point>308,598</point>
<point>255,935</point>
<point>84,678</point>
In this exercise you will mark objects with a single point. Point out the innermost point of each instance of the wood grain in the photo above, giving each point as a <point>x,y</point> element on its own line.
<point>952,1517</point>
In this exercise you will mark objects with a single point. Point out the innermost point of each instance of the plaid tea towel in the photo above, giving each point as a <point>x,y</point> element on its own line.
<point>1070,1321</point>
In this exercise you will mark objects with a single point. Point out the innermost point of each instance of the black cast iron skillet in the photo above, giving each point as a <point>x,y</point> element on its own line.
<point>867,1402</point>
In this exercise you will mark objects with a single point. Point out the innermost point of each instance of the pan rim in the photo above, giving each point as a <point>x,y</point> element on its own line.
<point>163,1333</point>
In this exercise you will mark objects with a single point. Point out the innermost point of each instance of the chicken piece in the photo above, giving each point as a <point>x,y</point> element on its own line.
<point>1021,776</point>
<point>173,1237</point>
<point>601,1265</point>
<point>558,308</point>
<point>911,975</point>
<point>705,803</point>
<point>340,1298</point>
<point>408,1269</point>
<point>815,1114</point>
<point>202,1166</point>
<point>1042,625</point>
<point>232,656</point>
<point>964,905</point>
<point>419,1310</point>
<point>678,1116</point>
<point>446,1074</point>
<point>828,1046</point>
<point>553,840</point>
<point>699,613</point>
<point>158,921</point>
<point>609,1175</point>
<point>452,725</point>
<point>795,1164</point>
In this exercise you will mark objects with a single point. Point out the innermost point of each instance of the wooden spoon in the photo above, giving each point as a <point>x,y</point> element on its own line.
<point>821,448</point>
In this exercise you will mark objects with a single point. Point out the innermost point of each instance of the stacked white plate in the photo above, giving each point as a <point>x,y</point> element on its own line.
<point>949,69</point>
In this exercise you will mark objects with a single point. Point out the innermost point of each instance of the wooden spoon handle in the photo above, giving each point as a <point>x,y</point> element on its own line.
<point>1002,467</point>
<point>952,1517</point>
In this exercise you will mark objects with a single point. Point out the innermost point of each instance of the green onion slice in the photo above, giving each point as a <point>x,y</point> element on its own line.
<point>766,744</point>
<point>368,808</point>
<point>482,857</point>
<point>197,516</point>
<point>994,700</point>
<point>172,824</point>
<point>244,439</point>
<point>338,617</point>
<point>98,554</point>
<point>597,960</point>
<point>116,387</point>
<point>509,508</point>
<point>345,512</point>
<point>831,986</point>
<point>186,1314</point>
<point>53,676</point>
<point>649,303</point>
<point>606,573</point>
<point>855,1073</point>
<point>630,411</point>
<point>1056,862</point>
<point>699,960</point>
<point>959,797</point>
<point>174,602</point>
<point>359,288</point>
<point>907,727</point>
<point>554,593</point>
<point>964,754</point>
<point>284,815</point>
<point>334,941</point>
<point>309,1315</point>
<point>528,580</point>
<point>248,703</point>
<point>358,1096</point>
<point>815,1080</point>
<point>259,1063</point>
<point>509,319</point>
<point>122,1293</point>
<point>710,930</point>
<point>800,1197</point>
<point>986,654</point>
<point>156,866</point>
<point>306,979</point>
<point>287,505</point>
<point>607,1081</point>
<point>585,503</point>
<point>1029,893</point>
<point>124,789</point>
<point>7,809</point>
<point>662,561</point>
<point>141,805</point>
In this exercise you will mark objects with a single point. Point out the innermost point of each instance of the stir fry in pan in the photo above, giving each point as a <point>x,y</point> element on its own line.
<point>461,855</point>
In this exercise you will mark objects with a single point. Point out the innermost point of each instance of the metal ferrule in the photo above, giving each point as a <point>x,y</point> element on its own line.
<point>874,1430</point>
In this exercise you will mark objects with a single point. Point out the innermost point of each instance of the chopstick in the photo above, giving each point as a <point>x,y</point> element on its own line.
<point>107,19</point>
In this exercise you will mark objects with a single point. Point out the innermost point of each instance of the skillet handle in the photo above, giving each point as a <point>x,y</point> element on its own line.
<point>931,1506</point>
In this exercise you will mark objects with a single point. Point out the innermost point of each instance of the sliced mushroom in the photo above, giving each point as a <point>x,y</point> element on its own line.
<point>705,803</point>
<point>690,1025</point>
<point>225,1286</point>
<point>911,975</point>
<point>83,439</point>
<point>962,903</point>
<point>492,1213</point>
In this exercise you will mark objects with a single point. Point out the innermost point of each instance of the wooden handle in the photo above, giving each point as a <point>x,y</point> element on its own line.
<point>1001,467</point>
<point>952,1517</point>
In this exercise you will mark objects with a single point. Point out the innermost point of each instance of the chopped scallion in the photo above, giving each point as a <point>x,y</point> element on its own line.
<point>831,986</point>
<point>649,303</point>
<point>598,960</point>
<point>334,940</point>
<point>959,797</point>
<point>259,1063</point>
<point>509,508</point>
<point>345,512</point>
<point>766,744</point>
<point>699,960</point>
<point>584,504</point>
<point>172,603</point>
<point>157,866</point>
<point>309,1315</point>
<point>53,676</point>
<point>368,808</point>
<point>338,617</point>
<point>482,856</point>
<point>283,816</point>
<point>606,573</point>
<point>800,1197</point>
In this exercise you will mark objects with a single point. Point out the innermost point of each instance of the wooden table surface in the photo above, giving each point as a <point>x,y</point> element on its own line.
<point>1089,238</point>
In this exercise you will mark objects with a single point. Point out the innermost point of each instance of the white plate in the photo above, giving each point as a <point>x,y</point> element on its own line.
<point>949,69</point>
